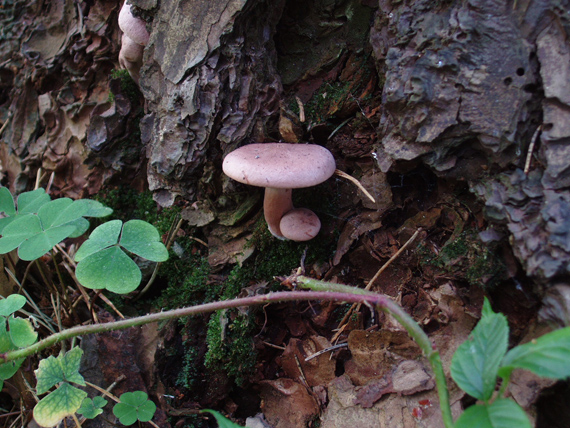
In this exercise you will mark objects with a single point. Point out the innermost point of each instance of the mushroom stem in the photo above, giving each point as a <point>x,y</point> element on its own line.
<point>276,204</point>
<point>130,56</point>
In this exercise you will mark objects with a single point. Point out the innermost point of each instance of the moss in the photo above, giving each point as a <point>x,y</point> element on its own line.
<point>128,86</point>
<point>129,204</point>
<point>468,258</point>
<point>230,347</point>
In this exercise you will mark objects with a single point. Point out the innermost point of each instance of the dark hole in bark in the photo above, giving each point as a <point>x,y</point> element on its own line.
<point>552,410</point>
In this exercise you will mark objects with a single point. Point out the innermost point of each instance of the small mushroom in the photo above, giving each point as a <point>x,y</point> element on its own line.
<point>135,38</point>
<point>280,167</point>
<point>300,224</point>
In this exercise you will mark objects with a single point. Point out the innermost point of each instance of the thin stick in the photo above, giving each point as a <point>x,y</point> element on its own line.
<point>531,150</point>
<point>355,182</point>
<point>323,351</point>
<point>5,124</point>
<point>375,277</point>
<point>38,178</point>
<point>301,109</point>
<point>104,391</point>
<point>169,242</point>
<point>271,345</point>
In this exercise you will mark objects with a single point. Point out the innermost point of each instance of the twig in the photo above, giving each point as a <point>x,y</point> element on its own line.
<point>5,124</point>
<point>301,109</point>
<point>531,150</point>
<point>323,351</point>
<point>271,345</point>
<point>303,378</point>
<point>375,277</point>
<point>338,128</point>
<point>356,182</point>
<point>169,241</point>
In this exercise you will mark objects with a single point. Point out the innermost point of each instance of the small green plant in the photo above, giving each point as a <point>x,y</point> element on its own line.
<point>134,406</point>
<point>67,399</point>
<point>37,224</point>
<point>483,358</point>
<point>60,371</point>
<point>15,333</point>
<point>91,408</point>
<point>104,264</point>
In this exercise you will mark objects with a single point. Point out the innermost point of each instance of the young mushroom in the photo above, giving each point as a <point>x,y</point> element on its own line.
<point>135,38</point>
<point>281,167</point>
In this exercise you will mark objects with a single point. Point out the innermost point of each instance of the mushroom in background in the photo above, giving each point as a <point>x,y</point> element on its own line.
<point>281,167</point>
<point>135,38</point>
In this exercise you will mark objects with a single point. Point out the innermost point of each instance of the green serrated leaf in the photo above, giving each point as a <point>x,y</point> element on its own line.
<point>11,304</point>
<point>41,243</point>
<point>22,228</point>
<point>142,238</point>
<point>91,408</point>
<point>102,237</point>
<point>222,421</point>
<point>134,406</point>
<point>21,332</point>
<point>53,370</point>
<point>62,402</point>
<point>7,205</point>
<point>546,356</point>
<point>31,202</point>
<point>502,413</point>
<point>110,268</point>
<point>475,364</point>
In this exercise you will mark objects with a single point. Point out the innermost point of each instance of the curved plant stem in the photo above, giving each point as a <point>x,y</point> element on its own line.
<point>282,296</point>
<point>411,326</point>
<point>321,290</point>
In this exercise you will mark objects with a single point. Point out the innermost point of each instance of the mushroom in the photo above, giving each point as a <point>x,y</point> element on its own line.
<point>280,167</point>
<point>300,224</point>
<point>135,38</point>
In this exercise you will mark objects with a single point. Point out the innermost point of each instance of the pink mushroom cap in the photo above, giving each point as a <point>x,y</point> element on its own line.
<point>133,27</point>
<point>300,224</point>
<point>279,167</point>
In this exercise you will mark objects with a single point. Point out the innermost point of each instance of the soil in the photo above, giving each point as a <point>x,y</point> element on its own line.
<point>452,115</point>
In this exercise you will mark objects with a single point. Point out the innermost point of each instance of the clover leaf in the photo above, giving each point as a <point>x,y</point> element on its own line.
<point>39,224</point>
<point>91,408</point>
<point>14,333</point>
<point>134,406</point>
<point>66,399</point>
<point>103,263</point>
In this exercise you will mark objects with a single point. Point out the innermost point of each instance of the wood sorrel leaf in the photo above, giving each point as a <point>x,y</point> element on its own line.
<point>36,246</point>
<point>7,205</point>
<point>546,356</point>
<point>64,367</point>
<point>21,332</point>
<point>102,237</point>
<point>109,268</point>
<point>92,408</point>
<point>11,304</point>
<point>475,364</point>
<point>134,406</point>
<point>502,413</point>
<point>22,228</point>
<point>222,421</point>
<point>31,202</point>
<point>60,403</point>
<point>142,238</point>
